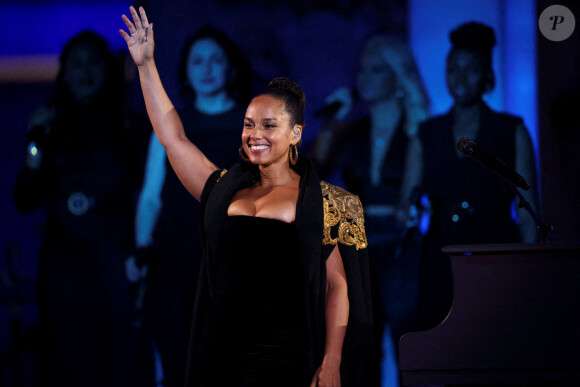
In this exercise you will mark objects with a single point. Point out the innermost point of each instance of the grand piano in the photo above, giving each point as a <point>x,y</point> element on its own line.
<point>515,320</point>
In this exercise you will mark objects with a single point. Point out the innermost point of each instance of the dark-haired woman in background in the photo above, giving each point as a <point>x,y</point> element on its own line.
<point>470,204</point>
<point>216,87</point>
<point>283,292</point>
<point>83,164</point>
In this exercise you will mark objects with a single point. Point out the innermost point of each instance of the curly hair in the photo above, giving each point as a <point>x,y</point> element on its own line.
<point>474,36</point>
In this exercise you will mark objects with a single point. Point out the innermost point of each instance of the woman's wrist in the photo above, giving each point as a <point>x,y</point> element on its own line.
<point>332,359</point>
<point>147,66</point>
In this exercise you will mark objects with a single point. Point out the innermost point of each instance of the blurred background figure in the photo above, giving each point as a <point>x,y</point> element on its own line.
<point>370,154</point>
<point>470,204</point>
<point>84,163</point>
<point>216,85</point>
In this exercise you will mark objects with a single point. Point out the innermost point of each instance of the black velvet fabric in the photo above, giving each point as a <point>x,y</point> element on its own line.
<point>256,323</point>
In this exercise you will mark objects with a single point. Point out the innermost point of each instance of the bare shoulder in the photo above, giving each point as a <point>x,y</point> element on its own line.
<point>343,217</point>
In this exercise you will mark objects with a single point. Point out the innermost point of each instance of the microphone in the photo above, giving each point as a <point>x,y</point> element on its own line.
<point>328,110</point>
<point>332,108</point>
<point>470,148</point>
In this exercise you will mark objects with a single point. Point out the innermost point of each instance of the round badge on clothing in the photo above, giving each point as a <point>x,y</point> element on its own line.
<point>78,203</point>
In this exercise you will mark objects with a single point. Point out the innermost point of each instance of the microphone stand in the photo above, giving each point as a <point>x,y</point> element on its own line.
<point>470,148</point>
<point>545,229</point>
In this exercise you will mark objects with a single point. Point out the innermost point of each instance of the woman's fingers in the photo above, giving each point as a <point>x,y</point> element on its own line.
<point>149,32</point>
<point>124,35</point>
<point>139,27</point>
<point>144,17</point>
<point>129,25</point>
<point>314,382</point>
<point>136,18</point>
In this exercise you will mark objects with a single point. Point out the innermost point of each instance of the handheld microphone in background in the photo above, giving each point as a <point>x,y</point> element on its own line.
<point>332,108</point>
<point>328,110</point>
<point>470,148</point>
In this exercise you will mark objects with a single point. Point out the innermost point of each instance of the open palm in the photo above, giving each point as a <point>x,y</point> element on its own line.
<point>140,42</point>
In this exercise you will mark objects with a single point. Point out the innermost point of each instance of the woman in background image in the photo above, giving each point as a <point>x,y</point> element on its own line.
<point>470,204</point>
<point>84,164</point>
<point>371,154</point>
<point>216,87</point>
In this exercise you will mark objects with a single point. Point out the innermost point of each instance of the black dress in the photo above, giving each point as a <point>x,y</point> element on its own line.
<point>260,312</point>
<point>91,169</point>
<point>177,240</point>
<point>255,332</point>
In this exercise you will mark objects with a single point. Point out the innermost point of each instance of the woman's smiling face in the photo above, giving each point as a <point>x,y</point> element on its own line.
<point>267,133</point>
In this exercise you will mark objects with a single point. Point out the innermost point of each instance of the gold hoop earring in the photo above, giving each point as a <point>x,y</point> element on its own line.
<point>243,154</point>
<point>293,154</point>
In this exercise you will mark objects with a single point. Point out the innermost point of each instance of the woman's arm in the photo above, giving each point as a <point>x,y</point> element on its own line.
<point>526,166</point>
<point>30,189</point>
<point>336,312</point>
<point>331,137</point>
<point>412,177</point>
<point>149,203</point>
<point>148,208</point>
<point>189,163</point>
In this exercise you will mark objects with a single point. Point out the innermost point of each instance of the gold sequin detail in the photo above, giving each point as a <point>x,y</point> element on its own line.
<point>345,210</point>
<point>223,172</point>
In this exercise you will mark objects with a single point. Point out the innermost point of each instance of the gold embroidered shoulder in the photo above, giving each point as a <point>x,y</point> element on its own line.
<point>343,217</point>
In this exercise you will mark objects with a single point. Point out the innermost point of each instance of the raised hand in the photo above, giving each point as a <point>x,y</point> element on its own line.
<point>140,42</point>
<point>326,376</point>
<point>344,95</point>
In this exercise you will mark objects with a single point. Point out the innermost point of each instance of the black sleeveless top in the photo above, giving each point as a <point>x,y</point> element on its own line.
<point>470,203</point>
<point>256,329</point>
<point>354,165</point>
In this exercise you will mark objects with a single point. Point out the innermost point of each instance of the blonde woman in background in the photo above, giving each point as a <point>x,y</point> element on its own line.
<point>370,153</point>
